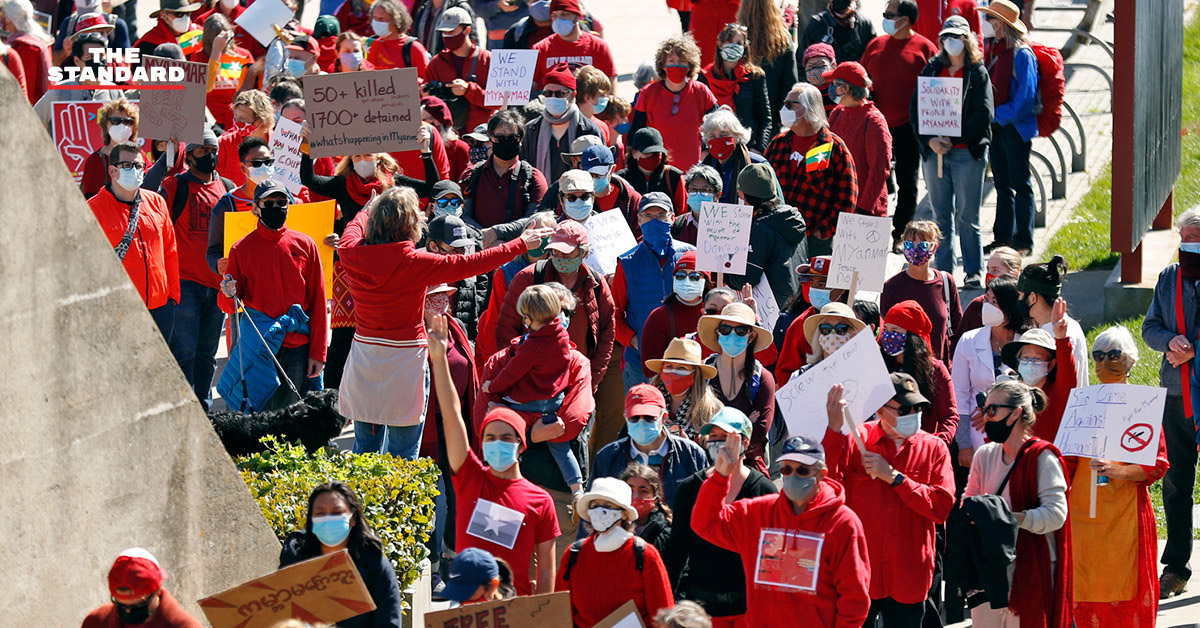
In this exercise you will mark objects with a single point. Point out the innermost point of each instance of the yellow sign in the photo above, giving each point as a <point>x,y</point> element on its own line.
<point>312,219</point>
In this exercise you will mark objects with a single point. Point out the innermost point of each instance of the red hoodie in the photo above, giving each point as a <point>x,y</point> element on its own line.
<point>841,598</point>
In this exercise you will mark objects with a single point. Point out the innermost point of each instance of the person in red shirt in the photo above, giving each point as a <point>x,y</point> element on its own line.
<point>255,161</point>
<point>612,565</point>
<point>174,19</point>
<point>231,10</point>
<point>138,226</point>
<point>860,124</point>
<point>900,484</point>
<point>31,43</point>
<point>592,96</point>
<point>462,66</point>
<point>253,116</point>
<point>677,103</point>
<point>355,16</point>
<point>894,61</point>
<point>273,268</point>
<point>934,14</point>
<point>707,19</point>
<point>498,510</point>
<point>138,597</point>
<point>679,314</point>
<point>819,571</point>
<point>11,60</point>
<point>933,289</point>
<point>458,153</point>
<point>394,49</point>
<point>571,44</point>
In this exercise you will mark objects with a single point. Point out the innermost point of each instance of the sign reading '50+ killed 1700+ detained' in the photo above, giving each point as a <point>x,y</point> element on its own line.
<point>354,113</point>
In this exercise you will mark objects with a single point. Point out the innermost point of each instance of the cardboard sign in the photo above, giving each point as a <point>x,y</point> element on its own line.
<point>260,16</point>
<point>861,243</point>
<point>939,106</point>
<point>285,148</point>
<point>313,219</point>
<point>724,240</point>
<point>764,302</point>
<point>1120,422</point>
<point>552,610</point>
<point>610,237</point>
<point>353,113</point>
<point>788,560</point>
<point>175,114</point>
<point>627,616</point>
<point>858,366</point>
<point>77,134</point>
<point>509,77</point>
<point>325,589</point>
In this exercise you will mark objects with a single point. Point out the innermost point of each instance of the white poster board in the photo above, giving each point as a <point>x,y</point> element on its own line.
<point>724,239</point>
<point>260,16</point>
<point>939,106</point>
<point>858,366</point>
<point>510,77</point>
<point>765,304</point>
<point>610,236</point>
<point>1120,422</point>
<point>285,148</point>
<point>861,244</point>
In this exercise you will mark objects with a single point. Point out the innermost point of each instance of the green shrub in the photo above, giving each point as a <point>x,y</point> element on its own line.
<point>397,495</point>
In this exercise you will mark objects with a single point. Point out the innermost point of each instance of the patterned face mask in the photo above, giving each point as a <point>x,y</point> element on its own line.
<point>831,343</point>
<point>892,342</point>
<point>438,303</point>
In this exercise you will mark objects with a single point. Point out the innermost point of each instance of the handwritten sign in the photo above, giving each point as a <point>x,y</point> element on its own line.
<point>285,148</point>
<point>175,114</point>
<point>610,237</point>
<point>312,219</point>
<point>858,366</point>
<point>765,304</point>
<point>552,610</point>
<point>861,243</point>
<point>724,239</point>
<point>325,589</point>
<point>627,616</point>
<point>354,113</point>
<point>510,76</point>
<point>77,134</point>
<point>1121,422</point>
<point>260,16</point>
<point>939,105</point>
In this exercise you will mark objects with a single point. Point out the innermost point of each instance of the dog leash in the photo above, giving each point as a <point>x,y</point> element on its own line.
<point>237,302</point>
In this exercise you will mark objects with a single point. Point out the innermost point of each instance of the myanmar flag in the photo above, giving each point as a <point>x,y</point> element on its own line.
<point>230,69</point>
<point>191,41</point>
<point>818,157</point>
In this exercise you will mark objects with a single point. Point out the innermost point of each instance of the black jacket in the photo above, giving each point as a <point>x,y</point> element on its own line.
<point>986,527</point>
<point>781,76</point>
<point>977,109</point>
<point>657,531</point>
<point>848,43</point>
<point>376,572</point>
<point>470,300</point>
<point>777,248</point>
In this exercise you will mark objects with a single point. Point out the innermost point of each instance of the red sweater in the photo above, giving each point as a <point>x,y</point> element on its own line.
<point>899,521</point>
<point>538,368</point>
<point>442,68</point>
<point>170,615</point>
<point>841,598</point>
<point>894,65</point>
<point>191,226</point>
<point>657,332</point>
<point>865,132</point>
<point>151,261</point>
<point>602,581</point>
<point>277,269</point>
<point>388,281</point>
<point>577,407</point>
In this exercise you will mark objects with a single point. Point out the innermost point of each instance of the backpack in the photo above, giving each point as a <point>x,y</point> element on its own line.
<point>1052,85</point>
<point>181,194</point>
<point>524,180</point>
<point>639,555</point>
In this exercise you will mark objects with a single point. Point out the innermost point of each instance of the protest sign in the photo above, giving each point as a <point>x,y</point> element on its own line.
<point>724,239</point>
<point>175,114</point>
<point>861,244</point>
<point>285,148</point>
<point>788,560</point>
<point>610,236</point>
<point>765,304</point>
<point>259,18</point>
<point>1120,422</point>
<point>627,616</point>
<point>325,589</point>
<point>552,610</point>
<point>510,76</point>
<point>312,219</point>
<point>939,106</point>
<point>858,366</point>
<point>77,134</point>
<point>355,113</point>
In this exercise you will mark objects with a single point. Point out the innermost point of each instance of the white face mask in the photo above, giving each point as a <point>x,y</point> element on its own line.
<point>180,24</point>
<point>120,132</point>
<point>229,4</point>
<point>985,29</point>
<point>603,519</point>
<point>365,168</point>
<point>908,424</point>
<point>260,174</point>
<point>382,29</point>
<point>954,47</point>
<point>992,316</point>
<point>787,117</point>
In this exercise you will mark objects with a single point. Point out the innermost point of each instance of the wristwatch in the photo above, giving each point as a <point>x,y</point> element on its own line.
<point>898,480</point>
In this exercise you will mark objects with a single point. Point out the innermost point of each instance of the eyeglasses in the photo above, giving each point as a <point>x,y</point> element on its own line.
<point>273,204</point>
<point>888,15</point>
<point>452,203</point>
<point>569,313</point>
<point>924,245</point>
<point>556,93</point>
<point>130,165</point>
<point>694,276</point>
<point>725,329</point>
<point>1032,361</point>
<point>120,121</point>
<point>452,250</point>
<point>792,104</point>
<point>1113,355</point>
<point>841,329</point>
<point>801,472</point>
<point>578,196</point>
<point>700,190</point>
<point>259,163</point>
<point>990,409</point>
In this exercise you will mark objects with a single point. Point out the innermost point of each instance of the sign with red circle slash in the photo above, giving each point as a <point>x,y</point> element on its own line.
<point>1137,437</point>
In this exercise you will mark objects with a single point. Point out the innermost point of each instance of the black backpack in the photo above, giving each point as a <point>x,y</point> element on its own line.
<point>639,555</point>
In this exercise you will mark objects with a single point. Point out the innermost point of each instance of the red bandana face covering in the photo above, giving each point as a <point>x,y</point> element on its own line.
<point>722,147</point>
<point>643,505</point>
<point>650,163</point>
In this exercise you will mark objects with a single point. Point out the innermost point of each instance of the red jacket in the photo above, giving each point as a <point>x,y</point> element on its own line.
<point>898,521</point>
<point>161,34</point>
<point>538,368</point>
<point>442,69</point>
<point>866,134</point>
<point>840,600</point>
<point>151,261</point>
<point>277,269</point>
<point>793,353</point>
<point>388,281</point>
<point>577,406</point>
<point>1057,387</point>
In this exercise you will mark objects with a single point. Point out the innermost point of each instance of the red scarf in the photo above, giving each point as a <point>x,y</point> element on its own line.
<point>725,89</point>
<point>360,189</point>
<point>1040,596</point>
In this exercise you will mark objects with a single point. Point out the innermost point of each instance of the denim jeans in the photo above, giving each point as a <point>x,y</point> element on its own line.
<point>1014,187</point>
<point>164,317</point>
<point>400,442</point>
<point>907,156</point>
<point>1180,434</point>
<point>956,198</point>
<point>196,337</point>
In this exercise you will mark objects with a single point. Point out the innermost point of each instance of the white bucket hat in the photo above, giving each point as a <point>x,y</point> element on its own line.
<point>608,489</point>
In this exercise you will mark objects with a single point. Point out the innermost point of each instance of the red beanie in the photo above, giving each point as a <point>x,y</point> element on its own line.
<point>560,75</point>
<point>566,5</point>
<point>438,110</point>
<point>508,416</point>
<point>687,261</point>
<point>909,316</point>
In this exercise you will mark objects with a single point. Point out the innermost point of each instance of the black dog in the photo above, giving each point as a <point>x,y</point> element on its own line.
<point>312,421</point>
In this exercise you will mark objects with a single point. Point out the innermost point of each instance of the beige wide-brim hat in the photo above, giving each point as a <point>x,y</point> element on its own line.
<point>608,489</point>
<point>1006,12</point>
<point>835,309</point>
<point>686,352</point>
<point>178,6</point>
<point>736,314</point>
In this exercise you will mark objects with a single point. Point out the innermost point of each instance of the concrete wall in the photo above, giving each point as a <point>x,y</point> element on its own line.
<point>104,445</point>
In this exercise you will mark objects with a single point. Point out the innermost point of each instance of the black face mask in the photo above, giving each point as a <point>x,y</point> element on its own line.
<point>273,217</point>
<point>1023,308</point>
<point>205,164</point>
<point>998,431</point>
<point>133,615</point>
<point>507,147</point>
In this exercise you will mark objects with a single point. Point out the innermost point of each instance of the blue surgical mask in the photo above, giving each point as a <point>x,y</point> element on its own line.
<point>381,29</point>
<point>130,180</point>
<point>797,488</point>
<point>696,198</point>
<point>733,345</point>
<point>331,530</point>
<point>563,27</point>
<point>601,105</point>
<point>644,432</point>
<point>564,320</point>
<point>688,290</point>
<point>500,455</point>
<point>261,173</point>
<point>556,107</point>
<point>296,67</point>
<point>351,60</point>
<point>1189,247</point>
<point>578,210</point>
<point>656,234</point>
<point>599,185</point>
<point>1031,373</point>
<point>819,297</point>
<point>622,128</point>
<point>889,27</point>
<point>449,210</point>
<point>833,95</point>
<point>908,424</point>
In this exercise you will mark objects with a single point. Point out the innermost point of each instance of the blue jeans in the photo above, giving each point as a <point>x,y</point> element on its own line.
<point>1014,187</point>
<point>164,317</point>
<point>561,451</point>
<point>197,336</point>
<point>632,371</point>
<point>400,442</point>
<point>956,198</point>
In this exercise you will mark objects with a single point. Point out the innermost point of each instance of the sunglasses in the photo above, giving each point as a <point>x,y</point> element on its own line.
<point>990,409</point>
<point>736,26</point>
<point>804,472</point>
<point>840,329</point>
<point>556,93</point>
<point>725,329</point>
<point>888,15</point>
<point>694,276</point>
<point>793,104</point>
<point>1113,355</point>
<point>675,102</point>
<point>569,313</point>
<point>274,204</point>
<point>453,203</point>
<point>924,245</point>
<point>120,121</point>
<point>638,419</point>
<point>452,250</point>
<point>582,196</point>
<point>129,165</point>
<point>259,163</point>
<point>711,311</point>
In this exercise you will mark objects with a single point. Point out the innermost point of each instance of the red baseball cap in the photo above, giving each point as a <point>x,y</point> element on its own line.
<point>644,400</point>
<point>568,236</point>
<point>138,570</point>
<point>508,416</point>
<point>92,23</point>
<point>817,266</point>
<point>566,5</point>
<point>851,71</point>
<point>559,75</point>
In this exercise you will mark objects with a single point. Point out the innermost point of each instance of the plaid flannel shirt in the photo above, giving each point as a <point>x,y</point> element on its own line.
<point>819,195</point>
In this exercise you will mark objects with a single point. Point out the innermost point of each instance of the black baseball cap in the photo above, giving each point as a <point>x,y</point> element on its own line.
<point>450,230</point>
<point>647,140</point>
<point>269,187</point>
<point>444,187</point>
